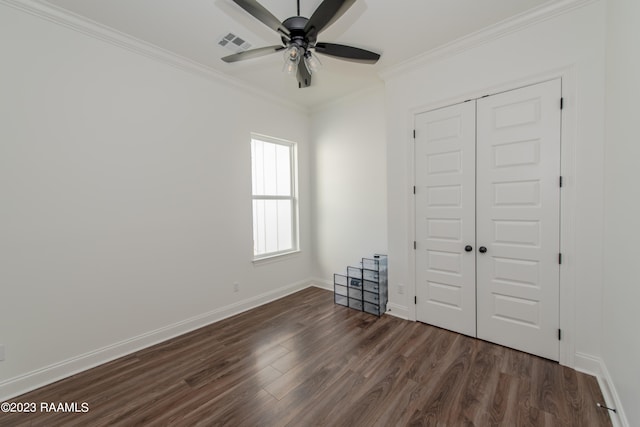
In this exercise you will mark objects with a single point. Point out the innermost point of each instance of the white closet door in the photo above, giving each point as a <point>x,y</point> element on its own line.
<point>445,217</point>
<point>518,205</point>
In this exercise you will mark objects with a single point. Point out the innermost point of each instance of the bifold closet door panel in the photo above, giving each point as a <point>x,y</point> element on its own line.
<point>518,218</point>
<point>445,217</point>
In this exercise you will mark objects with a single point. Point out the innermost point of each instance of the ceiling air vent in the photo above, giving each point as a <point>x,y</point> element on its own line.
<point>234,43</point>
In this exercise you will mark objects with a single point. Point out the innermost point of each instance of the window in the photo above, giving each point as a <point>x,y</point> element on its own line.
<point>275,207</point>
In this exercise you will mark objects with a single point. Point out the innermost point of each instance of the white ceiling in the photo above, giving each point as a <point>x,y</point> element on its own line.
<point>397,30</point>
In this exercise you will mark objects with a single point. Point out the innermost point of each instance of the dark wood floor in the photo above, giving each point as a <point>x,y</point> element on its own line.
<point>303,361</point>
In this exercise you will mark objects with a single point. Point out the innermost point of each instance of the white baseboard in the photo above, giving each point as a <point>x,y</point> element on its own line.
<point>321,283</point>
<point>595,366</point>
<point>398,311</point>
<point>611,398</point>
<point>27,382</point>
<point>588,364</point>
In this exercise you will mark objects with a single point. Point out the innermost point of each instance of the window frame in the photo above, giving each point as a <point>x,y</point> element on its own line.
<point>293,198</point>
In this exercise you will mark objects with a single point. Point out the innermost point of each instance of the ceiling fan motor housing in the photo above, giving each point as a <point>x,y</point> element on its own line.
<point>296,25</point>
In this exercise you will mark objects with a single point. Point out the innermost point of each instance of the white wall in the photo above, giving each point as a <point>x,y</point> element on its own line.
<point>125,200</point>
<point>571,45</point>
<point>621,293</point>
<point>349,182</point>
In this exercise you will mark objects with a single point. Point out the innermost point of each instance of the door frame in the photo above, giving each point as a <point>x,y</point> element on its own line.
<point>568,137</point>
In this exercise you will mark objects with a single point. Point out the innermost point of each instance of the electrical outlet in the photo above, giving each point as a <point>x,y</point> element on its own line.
<point>1,352</point>
<point>236,287</point>
<point>401,289</point>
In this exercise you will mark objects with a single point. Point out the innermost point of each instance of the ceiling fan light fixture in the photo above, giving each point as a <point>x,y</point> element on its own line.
<point>290,67</point>
<point>291,58</point>
<point>299,36</point>
<point>312,61</point>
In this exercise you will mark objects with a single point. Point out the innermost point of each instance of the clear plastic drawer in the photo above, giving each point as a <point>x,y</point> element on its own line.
<point>355,283</point>
<point>371,275</point>
<point>341,299</point>
<point>339,279</point>
<point>371,264</point>
<point>354,272</point>
<point>371,286</point>
<point>355,303</point>
<point>372,308</point>
<point>371,297</point>
<point>355,293</point>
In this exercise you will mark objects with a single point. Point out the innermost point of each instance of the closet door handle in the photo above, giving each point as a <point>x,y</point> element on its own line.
<point>482,249</point>
<point>468,248</point>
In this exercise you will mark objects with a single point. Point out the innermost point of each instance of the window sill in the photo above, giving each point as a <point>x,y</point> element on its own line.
<point>276,258</point>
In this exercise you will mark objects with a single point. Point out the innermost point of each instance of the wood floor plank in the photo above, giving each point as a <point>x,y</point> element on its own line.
<point>504,401</point>
<point>382,387</point>
<point>400,405</point>
<point>304,370</point>
<point>480,382</point>
<point>304,361</point>
<point>323,409</point>
<point>440,399</point>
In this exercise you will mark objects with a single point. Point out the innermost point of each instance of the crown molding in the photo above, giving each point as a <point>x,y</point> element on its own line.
<point>549,10</point>
<point>57,15</point>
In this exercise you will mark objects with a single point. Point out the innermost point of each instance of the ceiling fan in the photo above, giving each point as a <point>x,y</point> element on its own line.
<point>299,38</point>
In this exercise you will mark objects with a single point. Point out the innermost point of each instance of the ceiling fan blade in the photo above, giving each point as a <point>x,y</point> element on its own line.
<point>304,76</point>
<point>326,14</point>
<point>253,53</point>
<point>263,15</point>
<point>348,53</point>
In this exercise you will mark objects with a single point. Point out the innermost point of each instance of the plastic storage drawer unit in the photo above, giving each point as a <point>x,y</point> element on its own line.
<point>364,288</point>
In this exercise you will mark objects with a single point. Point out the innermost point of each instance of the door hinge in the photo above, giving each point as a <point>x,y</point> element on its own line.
<point>560,258</point>
<point>414,134</point>
<point>559,334</point>
<point>414,189</point>
<point>561,103</point>
<point>415,245</point>
<point>415,300</point>
<point>560,181</point>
